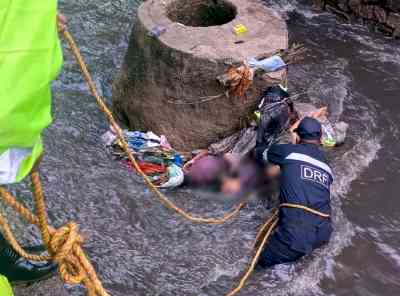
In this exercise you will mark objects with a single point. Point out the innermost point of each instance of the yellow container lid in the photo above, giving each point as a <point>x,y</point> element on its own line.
<point>240,29</point>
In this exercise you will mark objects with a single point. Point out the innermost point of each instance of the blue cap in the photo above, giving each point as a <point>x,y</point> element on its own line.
<point>309,129</point>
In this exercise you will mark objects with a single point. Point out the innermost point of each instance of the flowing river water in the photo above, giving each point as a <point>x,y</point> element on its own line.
<point>141,248</point>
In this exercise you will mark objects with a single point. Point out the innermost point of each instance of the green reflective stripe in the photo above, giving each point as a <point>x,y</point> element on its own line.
<point>5,288</point>
<point>30,58</point>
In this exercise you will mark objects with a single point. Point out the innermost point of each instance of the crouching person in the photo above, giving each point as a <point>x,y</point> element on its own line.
<point>277,113</point>
<point>305,180</point>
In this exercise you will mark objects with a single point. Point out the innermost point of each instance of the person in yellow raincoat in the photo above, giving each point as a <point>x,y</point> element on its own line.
<point>30,58</point>
<point>5,288</point>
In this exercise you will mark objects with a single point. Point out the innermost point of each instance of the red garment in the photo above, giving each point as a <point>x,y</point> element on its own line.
<point>149,168</point>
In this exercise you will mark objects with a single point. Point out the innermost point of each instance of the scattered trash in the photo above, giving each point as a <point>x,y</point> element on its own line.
<point>109,138</point>
<point>240,143</point>
<point>164,142</point>
<point>328,135</point>
<point>270,64</point>
<point>155,156</point>
<point>175,175</point>
<point>244,141</point>
<point>333,133</point>
<point>157,31</point>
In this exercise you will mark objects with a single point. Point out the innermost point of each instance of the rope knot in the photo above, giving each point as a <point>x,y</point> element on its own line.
<point>64,244</point>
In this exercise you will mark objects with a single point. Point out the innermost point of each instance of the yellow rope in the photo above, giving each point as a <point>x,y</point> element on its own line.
<point>307,209</point>
<point>103,107</point>
<point>268,227</point>
<point>63,244</point>
<point>270,224</point>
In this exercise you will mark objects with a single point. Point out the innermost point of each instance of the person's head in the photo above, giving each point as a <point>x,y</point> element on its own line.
<point>309,131</point>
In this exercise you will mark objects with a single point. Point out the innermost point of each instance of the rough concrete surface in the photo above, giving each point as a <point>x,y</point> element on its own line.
<point>167,83</point>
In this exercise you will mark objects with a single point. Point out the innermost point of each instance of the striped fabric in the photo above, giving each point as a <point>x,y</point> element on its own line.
<point>308,159</point>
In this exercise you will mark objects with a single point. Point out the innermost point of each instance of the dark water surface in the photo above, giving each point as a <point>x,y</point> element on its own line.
<point>142,248</point>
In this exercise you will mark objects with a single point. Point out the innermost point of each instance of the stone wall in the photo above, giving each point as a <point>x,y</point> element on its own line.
<point>384,14</point>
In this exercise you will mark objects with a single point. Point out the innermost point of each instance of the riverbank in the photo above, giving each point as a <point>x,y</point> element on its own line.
<point>383,14</point>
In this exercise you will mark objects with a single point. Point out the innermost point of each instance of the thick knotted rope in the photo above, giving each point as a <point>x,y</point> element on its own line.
<point>64,244</point>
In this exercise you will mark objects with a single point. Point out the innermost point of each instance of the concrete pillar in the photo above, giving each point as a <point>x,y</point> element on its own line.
<point>168,82</point>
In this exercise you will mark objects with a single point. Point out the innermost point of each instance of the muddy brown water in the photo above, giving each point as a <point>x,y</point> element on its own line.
<point>141,248</point>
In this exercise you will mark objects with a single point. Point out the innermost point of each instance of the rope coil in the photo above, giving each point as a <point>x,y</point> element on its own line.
<point>64,244</point>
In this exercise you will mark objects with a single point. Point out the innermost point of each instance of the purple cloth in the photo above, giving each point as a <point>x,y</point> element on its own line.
<point>206,171</point>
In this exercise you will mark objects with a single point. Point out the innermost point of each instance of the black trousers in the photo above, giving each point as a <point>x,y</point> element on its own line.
<point>3,242</point>
<point>278,252</point>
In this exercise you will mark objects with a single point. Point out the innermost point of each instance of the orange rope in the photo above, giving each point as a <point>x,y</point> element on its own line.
<point>63,244</point>
<point>103,107</point>
<point>269,226</point>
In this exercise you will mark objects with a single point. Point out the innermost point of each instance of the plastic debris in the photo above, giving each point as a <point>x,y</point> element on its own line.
<point>155,156</point>
<point>108,138</point>
<point>328,135</point>
<point>164,142</point>
<point>175,175</point>
<point>157,31</point>
<point>270,64</point>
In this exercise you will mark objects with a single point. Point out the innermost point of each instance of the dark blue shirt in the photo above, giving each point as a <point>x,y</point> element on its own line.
<point>306,179</point>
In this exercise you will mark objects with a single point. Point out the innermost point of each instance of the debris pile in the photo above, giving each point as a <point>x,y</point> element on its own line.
<point>155,156</point>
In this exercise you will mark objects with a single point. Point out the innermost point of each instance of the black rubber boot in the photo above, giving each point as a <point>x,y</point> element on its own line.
<point>21,271</point>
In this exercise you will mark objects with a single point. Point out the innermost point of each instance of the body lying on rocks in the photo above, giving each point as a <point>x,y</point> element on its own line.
<point>236,169</point>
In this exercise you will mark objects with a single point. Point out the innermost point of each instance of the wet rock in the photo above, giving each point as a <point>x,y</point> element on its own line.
<point>393,5</point>
<point>344,5</point>
<point>384,14</point>
<point>177,49</point>
<point>354,4</point>
<point>394,20</point>
<point>380,14</point>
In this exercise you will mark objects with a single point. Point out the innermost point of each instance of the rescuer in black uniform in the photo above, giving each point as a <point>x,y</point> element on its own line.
<point>305,180</point>
<point>276,114</point>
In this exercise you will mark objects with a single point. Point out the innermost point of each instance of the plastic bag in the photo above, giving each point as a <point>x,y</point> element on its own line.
<point>271,64</point>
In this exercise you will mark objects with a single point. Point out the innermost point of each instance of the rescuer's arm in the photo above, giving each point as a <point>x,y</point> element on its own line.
<point>276,156</point>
